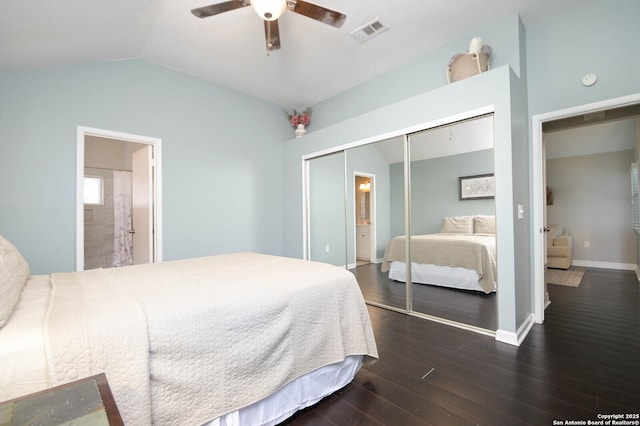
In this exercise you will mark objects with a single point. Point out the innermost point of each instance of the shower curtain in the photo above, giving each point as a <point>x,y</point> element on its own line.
<point>123,223</point>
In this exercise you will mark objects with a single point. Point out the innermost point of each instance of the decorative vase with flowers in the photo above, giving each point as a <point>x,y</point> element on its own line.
<point>299,120</point>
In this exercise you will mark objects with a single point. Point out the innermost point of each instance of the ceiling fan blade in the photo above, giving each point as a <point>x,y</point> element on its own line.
<point>319,13</point>
<point>272,35</point>
<point>215,9</point>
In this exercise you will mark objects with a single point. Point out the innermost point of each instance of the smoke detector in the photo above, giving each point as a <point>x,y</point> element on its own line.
<point>369,30</point>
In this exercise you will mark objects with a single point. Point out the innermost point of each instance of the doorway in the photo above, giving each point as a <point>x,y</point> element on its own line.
<point>130,170</point>
<point>365,241</point>
<point>539,187</point>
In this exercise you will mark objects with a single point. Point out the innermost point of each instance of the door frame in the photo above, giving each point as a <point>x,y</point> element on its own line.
<point>373,255</point>
<point>538,190</point>
<point>82,133</point>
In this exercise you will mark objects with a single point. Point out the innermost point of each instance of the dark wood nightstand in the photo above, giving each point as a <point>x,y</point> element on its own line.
<point>84,402</point>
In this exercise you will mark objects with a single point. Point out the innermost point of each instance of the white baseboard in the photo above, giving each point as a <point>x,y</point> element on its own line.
<point>518,337</point>
<point>605,265</point>
<point>353,265</point>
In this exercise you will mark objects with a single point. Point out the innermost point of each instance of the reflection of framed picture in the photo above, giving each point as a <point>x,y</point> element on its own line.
<point>477,187</point>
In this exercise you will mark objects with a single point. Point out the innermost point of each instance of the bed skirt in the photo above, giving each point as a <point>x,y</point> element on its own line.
<point>443,276</point>
<point>297,395</point>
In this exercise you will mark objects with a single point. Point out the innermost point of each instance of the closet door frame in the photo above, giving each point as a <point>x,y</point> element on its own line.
<point>404,133</point>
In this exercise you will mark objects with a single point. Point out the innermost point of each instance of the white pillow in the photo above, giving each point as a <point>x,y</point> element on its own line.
<point>14,272</point>
<point>457,225</point>
<point>484,224</point>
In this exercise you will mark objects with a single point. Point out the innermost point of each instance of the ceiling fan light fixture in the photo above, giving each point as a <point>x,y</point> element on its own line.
<point>269,10</point>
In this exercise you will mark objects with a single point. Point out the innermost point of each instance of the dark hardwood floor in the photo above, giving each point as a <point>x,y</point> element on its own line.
<point>464,306</point>
<point>583,361</point>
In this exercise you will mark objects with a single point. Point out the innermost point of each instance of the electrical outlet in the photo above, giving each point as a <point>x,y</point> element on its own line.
<point>327,248</point>
<point>587,244</point>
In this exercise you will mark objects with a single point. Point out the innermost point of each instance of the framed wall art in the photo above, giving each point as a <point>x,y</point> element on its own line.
<point>478,187</point>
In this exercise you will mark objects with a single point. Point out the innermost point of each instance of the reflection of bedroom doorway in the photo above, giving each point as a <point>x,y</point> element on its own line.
<point>539,187</point>
<point>364,190</point>
<point>133,230</point>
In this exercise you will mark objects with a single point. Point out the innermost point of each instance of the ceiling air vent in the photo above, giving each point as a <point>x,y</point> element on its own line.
<point>369,30</point>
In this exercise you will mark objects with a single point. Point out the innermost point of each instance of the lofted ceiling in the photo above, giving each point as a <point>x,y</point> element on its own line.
<point>315,62</point>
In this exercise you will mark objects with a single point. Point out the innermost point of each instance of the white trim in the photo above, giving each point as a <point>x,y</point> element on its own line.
<point>305,211</point>
<point>489,109</point>
<point>508,337</point>
<point>605,265</point>
<point>372,205</point>
<point>537,187</point>
<point>518,337</point>
<point>80,200</point>
<point>453,323</point>
<point>82,132</point>
<point>404,132</point>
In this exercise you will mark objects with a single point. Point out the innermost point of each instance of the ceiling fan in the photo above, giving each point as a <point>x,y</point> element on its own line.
<point>270,11</point>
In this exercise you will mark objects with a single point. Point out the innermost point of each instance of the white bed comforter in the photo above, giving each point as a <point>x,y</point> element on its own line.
<point>476,252</point>
<point>184,342</point>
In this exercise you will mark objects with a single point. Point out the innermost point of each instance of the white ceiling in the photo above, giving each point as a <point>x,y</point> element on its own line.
<point>315,62</point>
<point>613,136</point>
<point>471,135</point>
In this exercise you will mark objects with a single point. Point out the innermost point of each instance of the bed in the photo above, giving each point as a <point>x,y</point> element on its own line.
<point>461,256</point>
<point>230,339</point>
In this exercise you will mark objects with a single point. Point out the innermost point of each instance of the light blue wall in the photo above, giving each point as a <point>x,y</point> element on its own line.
<point>598,37</point>
<point>488,89</point>
<point>231,184</point>
<point>327,218</point>
<point>422,74</point>
<point>434,189</point>
<point>221,157</point>
<point>521,183</point>
<point>416,94</point>
<point>594,37</point>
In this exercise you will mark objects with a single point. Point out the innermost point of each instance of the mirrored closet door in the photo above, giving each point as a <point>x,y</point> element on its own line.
<point>376,216</point>
<point>356,199</point>
<point>453,257</point>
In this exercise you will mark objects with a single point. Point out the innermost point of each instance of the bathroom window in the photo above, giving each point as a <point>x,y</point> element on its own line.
<point>93,190</point>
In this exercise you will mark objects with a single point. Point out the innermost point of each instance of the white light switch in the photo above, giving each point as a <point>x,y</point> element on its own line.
<point>520,211</point>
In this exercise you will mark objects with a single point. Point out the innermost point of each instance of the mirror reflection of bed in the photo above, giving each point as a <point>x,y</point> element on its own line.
<point>453,271</point>
<point>438,158</point>
<point>461,227</point>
